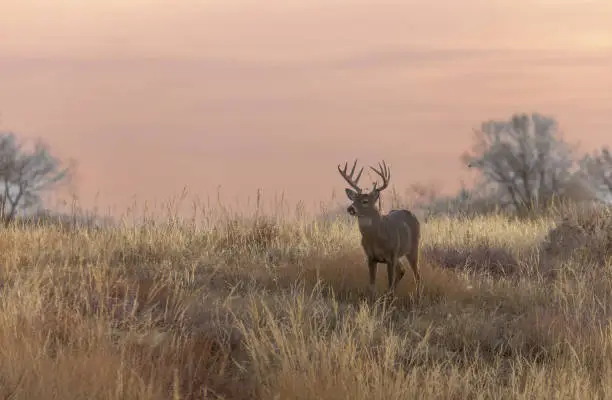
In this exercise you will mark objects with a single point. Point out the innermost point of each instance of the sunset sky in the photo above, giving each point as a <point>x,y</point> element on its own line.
<point>150,96</point>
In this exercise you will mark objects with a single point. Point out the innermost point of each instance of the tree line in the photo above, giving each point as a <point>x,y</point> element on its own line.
<point>524,164</point>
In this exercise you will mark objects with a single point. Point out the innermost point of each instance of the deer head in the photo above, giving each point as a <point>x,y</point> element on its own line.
<point>364,204</point>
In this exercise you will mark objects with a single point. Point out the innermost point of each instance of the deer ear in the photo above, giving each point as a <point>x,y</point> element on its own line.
<point>375,195</point>
<point>351,194</point>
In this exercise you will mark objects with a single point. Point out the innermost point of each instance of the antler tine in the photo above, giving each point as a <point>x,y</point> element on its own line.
<point>384,173</point>
<point>349,178</point>
<point>387,171</point>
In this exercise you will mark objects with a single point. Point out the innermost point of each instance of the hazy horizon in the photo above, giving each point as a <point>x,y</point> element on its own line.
<point>152,96</point>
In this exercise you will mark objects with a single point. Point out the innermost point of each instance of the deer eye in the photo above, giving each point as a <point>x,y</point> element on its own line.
<point>365,202</point>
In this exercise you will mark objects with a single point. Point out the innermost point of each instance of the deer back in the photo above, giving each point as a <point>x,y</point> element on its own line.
<point>402,230</point>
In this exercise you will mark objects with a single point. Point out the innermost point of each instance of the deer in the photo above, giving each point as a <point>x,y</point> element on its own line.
<point>384,238</point>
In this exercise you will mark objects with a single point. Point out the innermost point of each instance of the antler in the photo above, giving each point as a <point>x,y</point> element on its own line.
<point>384,173</point>
<point>349,178</point>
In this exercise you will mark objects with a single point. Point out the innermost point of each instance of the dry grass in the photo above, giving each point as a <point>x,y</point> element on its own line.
<point>267,309</point>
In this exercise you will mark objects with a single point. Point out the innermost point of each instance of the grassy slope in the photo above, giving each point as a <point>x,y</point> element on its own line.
<point>280,311</point>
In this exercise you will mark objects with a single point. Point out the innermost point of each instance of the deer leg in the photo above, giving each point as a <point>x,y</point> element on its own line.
<point>391,274</point>
<point>372,265</point>
<point>399,272</point>
<point>413,259</point>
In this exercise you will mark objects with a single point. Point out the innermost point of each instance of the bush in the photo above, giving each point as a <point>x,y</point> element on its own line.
<point>496,261</point>
<point>585,231</point>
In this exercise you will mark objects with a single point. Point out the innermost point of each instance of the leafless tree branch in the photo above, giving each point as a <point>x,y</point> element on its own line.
<point>525,156</point>
<point>25,174</point>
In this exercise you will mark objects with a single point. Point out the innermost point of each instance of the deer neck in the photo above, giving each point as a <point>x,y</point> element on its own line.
<point>369,223</point>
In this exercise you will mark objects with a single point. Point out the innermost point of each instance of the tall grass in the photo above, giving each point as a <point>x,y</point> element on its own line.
<point>269,308</point>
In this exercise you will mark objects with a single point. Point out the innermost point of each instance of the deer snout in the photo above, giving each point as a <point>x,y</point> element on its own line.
<point>351,210</point>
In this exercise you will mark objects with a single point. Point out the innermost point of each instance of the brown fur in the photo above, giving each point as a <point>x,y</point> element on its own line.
<point>384,238</point>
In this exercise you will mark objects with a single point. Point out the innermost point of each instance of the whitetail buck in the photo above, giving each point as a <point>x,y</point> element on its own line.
<point>384,238</point>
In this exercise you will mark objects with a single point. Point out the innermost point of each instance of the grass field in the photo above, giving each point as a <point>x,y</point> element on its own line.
<point>266,309</point>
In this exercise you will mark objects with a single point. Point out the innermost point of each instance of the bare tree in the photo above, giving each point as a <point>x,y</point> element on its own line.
<point>525,157</point>
<point>596,170</point>
<point>25,174</point>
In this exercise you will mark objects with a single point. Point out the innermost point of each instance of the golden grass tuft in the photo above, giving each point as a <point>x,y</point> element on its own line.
<point>266,308</point>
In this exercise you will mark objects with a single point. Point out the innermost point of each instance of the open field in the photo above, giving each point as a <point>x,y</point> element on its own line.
<point>266,309</point>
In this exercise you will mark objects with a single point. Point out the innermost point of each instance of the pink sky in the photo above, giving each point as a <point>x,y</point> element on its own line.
<point>151,96</point>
